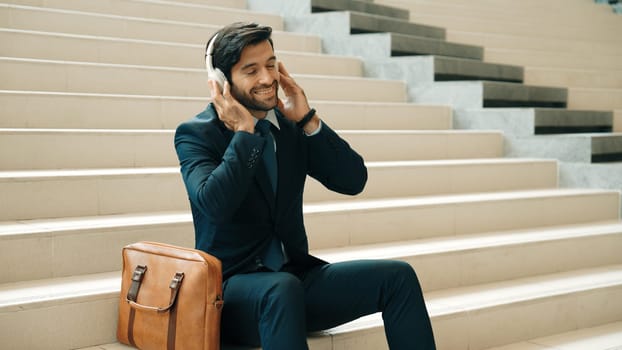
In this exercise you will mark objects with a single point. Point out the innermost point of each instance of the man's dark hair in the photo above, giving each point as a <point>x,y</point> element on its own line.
<point>232,39</point>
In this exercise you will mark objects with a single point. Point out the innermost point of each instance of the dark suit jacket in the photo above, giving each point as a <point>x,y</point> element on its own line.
<point>234,209</point>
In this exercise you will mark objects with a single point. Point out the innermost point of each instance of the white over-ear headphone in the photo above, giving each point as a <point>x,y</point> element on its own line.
<point>213,73</point>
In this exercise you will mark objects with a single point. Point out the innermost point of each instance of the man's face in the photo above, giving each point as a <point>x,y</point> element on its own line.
<point>255,79</point>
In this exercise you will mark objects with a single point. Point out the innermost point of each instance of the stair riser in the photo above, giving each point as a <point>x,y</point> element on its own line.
<point>501,325</point>
<point>45,150</point>
<point>191,14</point>
<point>69,325</point>
<point>599,99</point>
<point>91,322</point>
<point>544,59</point>
<point>500,41</point>
<point>66,77</point>
<point>487,265</point>
<point>518,28</point>
<point>28,110</point>
<point>77,252</point>
<point>92,49</point>
<point>93,196</point>
<point>32,198</point>
<point>427,147</point>
<point>388,182</point>
<point>93,251</point>
<point>40,19</point>
<point>359,227</point>
<point>535,318</point>
<point>570,78</point>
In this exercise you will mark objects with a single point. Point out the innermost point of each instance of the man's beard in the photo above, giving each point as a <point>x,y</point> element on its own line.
<point>253,104</point>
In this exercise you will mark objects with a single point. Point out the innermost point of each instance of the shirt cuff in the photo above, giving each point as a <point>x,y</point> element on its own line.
<point>317,131</point>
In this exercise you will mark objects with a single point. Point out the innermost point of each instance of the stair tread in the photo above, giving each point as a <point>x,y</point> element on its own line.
<point>470,299</point>
<point>368,7</point>
<point>148,44</point>
<point>19,296</point>
<point>62,173</point>
<point>396,250</point>
<point>275,21</point>
<point>605,337</point>
<point>14,228</point>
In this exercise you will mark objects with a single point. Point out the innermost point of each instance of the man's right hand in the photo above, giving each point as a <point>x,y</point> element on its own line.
<point>231,112</point>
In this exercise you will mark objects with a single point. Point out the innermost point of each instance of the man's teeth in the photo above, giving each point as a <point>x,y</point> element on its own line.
<point>264,91</point>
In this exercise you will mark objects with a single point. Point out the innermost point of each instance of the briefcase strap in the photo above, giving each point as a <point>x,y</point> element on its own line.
<point>132,297</point>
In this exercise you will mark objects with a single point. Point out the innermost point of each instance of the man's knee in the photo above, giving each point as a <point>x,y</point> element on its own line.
<point>284,289</point>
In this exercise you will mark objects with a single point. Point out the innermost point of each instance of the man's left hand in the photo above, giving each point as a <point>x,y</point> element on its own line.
<point>295,105</point>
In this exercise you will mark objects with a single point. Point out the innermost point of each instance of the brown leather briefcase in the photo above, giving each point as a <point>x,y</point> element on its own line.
<point>171,298</point>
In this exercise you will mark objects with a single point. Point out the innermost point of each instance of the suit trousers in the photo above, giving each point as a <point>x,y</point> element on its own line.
<point>276,310</point>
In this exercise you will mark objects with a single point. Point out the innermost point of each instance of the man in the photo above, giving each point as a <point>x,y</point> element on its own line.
<point>247,208</point>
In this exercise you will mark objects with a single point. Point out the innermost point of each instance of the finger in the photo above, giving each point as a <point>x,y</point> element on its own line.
<point>282,69</point>
<point>214,87</point>
<point>227,89</point>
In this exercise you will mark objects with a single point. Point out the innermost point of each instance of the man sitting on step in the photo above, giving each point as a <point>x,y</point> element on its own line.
<point>244,161</point>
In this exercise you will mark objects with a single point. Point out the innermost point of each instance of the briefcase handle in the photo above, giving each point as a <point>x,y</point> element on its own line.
<point>137,278</point>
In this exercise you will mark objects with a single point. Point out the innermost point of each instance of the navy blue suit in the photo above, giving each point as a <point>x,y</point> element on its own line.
<point>236,214</point>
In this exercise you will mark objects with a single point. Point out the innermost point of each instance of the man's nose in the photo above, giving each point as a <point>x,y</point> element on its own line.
<point>267,76</point>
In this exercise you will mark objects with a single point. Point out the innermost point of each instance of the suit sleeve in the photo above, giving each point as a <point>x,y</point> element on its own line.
<point>217,174</point>
<point>334,163</point>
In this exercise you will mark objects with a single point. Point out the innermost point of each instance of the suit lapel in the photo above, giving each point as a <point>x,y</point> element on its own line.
<point>261,174</point>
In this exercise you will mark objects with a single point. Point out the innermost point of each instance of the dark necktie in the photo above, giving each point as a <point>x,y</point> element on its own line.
<point>269,154</point>
<point>273,255</point>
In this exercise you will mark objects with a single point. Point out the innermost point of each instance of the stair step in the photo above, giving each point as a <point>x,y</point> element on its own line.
<point>436,177</point>
<point>517,27</point>
<point>584,148</point>
<point>66,193</point>
<point>499,313</point>
<point>63,76</point>
<point>98,49</point>
<point>605,337</point>
<point>240,4</point>
<point>368,23</point>
<point>484,257</point>
<point>450,68</point>
<point>462,317</point>
<point>359,6</point>
<point>480,94</point>
<point>428,216</point>
<point>530,121</point>
<point>591,98</point>
<point>28,149</point>
<point>86,23</point>
<point>543,58</point>
<point>164,10</point>
<point>422,71</point>
<point>33,109</point>
<point>496,256</point>
<point>404,45</point>
<point>579,78</point>
<point>507,41</point>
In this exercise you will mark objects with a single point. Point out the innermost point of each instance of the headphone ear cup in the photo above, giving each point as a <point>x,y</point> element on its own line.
<point>217,75</point>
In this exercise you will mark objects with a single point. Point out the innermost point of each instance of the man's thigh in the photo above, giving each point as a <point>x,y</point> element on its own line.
<point>254,304</point>
<point>341,292</point>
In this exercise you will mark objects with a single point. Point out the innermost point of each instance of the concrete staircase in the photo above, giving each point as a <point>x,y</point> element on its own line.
<point>92,90</point>
<point>571,44</point>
